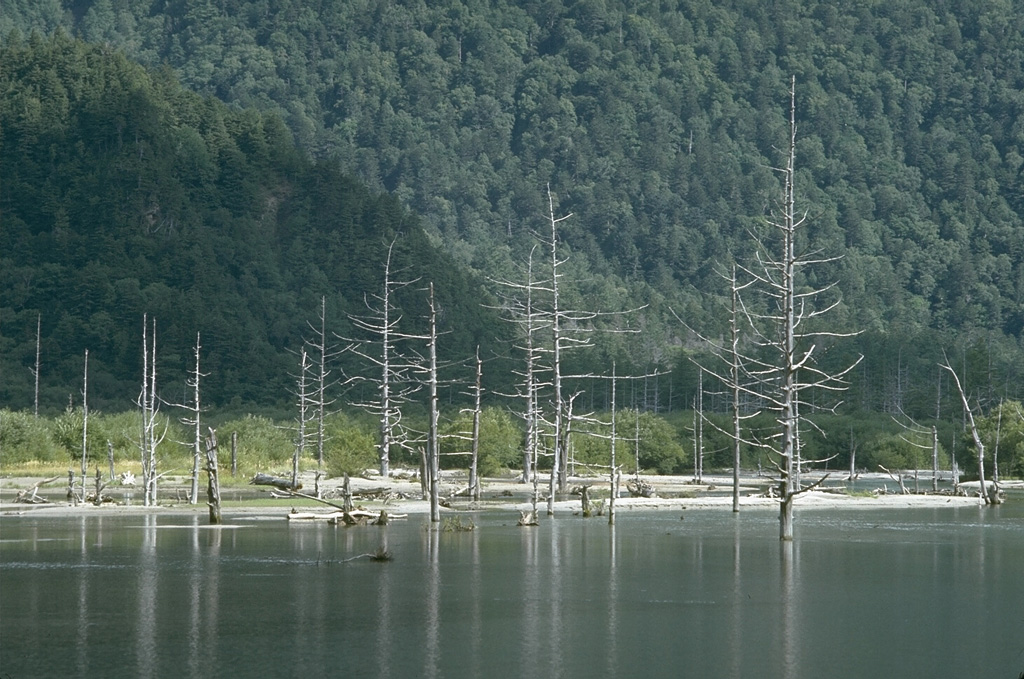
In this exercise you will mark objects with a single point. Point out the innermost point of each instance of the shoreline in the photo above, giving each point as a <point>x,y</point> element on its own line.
<point>675,493</point>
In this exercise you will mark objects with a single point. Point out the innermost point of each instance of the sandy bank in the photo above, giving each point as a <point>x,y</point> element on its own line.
<point>674,493</point>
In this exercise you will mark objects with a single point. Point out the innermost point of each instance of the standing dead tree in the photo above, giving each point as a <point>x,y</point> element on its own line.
<point>193,422</point>
<point>989,495</point>
<point>393,387</point>
<point>733,375</point>
<point>149,404</point>
<point>783,329</point>
<point>35,370</point>
<point>518,306</point>
<point>85,420</point>
<point>305,404</point>
<point>212,477</point>
<point>323,352</point>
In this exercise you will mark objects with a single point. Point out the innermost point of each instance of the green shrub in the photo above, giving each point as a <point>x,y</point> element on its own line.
<point>25,438</point>
<point>262,443</point>
<point>501,442</point>
<point>350,447</point>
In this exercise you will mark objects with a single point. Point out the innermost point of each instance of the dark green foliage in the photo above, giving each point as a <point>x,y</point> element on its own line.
<point>655,124</point>
<point>124,194</point>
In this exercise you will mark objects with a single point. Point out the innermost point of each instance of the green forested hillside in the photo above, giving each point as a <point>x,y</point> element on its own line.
<point>657,125</point>
<point>124,194</point>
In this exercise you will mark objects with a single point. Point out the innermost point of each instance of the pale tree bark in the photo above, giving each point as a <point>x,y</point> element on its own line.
<point>433,444</point>
<point>85,420</point>
<point>35,371</point>
<point>793,369</point>
<point>988,496</point>
<point>194,422</point>
<point>474,478</point>
<point>323,353</point>
<point>148,402</point>
<point>302,392</point>
<point>393,386</point>
<point>212,477</point>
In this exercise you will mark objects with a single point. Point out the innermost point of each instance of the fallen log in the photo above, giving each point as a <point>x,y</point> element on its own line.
<point>262,479</point>
<point>356,514</point>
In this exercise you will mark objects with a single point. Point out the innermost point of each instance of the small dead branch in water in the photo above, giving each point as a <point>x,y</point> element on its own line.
<point>382,554</point>
<point>455,524</point>
<point>527,518</point>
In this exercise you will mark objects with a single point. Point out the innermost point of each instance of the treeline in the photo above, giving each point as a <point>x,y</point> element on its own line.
<point>124,194</point>
<point>665,445</point>
<point>657,125</point>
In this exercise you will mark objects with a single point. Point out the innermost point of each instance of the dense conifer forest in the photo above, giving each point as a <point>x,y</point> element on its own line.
<point>221,165</point>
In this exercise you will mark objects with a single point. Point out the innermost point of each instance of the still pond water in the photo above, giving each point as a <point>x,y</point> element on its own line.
<point>860,593</point>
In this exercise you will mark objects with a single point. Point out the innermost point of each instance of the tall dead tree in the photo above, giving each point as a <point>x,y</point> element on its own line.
<point>85,420</point>
<point>433,444</point>
<point>149,404</point>
<point>194,421</point>
<point>781,329</point>
<point>393,388</point>
<point>518,307</point>
<point>474,477</point>
<point>988,495</point>
<point>35,371</point>
<point>302,389</point>
<point>322,354</point>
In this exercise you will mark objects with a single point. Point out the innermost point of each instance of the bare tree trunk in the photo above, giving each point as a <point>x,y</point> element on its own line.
<point>98,497</point>
<point>35,372</point>
<point>148,403</point>
<point>474,479</point>
<point>935,459</point>
<point>300,443</point>
<point>234,453</point>
<point>212,479</point>
<point>987,497</point>
<point>197,435</point>
<point>734,376</point>
<point>612,475</point>
<point>557,469</point>
<point>433,446</point>
<point>85,420</point>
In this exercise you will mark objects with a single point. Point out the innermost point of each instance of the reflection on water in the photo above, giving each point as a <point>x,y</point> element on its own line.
<point>714,595</point>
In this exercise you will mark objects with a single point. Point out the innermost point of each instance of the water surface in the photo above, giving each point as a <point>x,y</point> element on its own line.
<point>859,593</point>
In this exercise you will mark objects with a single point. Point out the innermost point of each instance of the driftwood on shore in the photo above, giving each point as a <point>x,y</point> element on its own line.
<point>638,488</point>
<point>31,497</point>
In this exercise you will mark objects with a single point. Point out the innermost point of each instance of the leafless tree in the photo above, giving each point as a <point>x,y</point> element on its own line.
<point>393,387</point>
<point>193,422</point>
<point>988,495</point>
<point>85,420</point>
<point>149,404</point>
<point>35,371</point>
<point>323,353</point>
<point>784,331</point>
<point>305,404</point>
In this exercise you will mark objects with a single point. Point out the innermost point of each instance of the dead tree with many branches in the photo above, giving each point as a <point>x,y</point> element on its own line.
<point>784,330</point>
<point>393,387</point>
